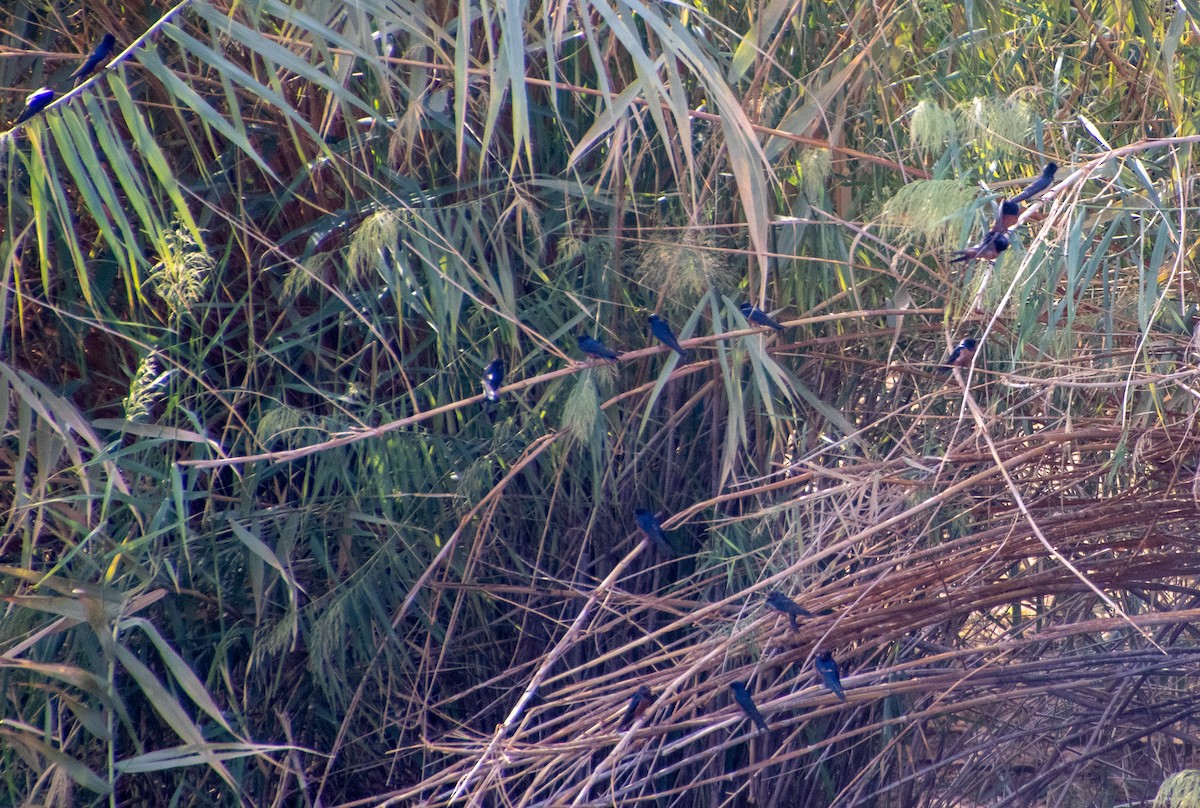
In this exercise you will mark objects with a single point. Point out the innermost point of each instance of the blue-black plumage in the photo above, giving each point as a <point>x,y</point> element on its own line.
<point>649,525</point>
<point>35,102</point>
<point>830,675</point>
<point>782,603</point>
<point>742,696</point>
<point>756,316</point>
<point>493,377</point>
<point>661,330</point>
<point>101,52</point>
<point>595,348</point>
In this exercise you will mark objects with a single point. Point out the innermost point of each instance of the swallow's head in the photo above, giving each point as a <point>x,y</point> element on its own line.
<point>1001,243</point>
<point>655,319</point>
<point>1049,170</point>
<point>968,344</point>
<point>1010,208</point>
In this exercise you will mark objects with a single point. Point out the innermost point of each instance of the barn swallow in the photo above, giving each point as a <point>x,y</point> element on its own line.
<point>653,529</point>
<point>101,52</point>
<point>1038,185</point>
<point>757,316</point>
<point>663,333</point>
<point>989,249</point>
<point>962,354</point>
<point>782,603</point>
<point>742,696</point>
<point>595,348</point>
<point>1006,218</point>
<point>828,669</point>
<point>642,698</point>
<point>35,102</point>
<point>493,377</point>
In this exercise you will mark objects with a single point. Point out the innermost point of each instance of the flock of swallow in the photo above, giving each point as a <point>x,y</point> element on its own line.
<point>650,526</point>
<point>996,239</point>
<point>994,242</point>
<point>39,99</point>
<point>493,374</point>
<point>644,698</point>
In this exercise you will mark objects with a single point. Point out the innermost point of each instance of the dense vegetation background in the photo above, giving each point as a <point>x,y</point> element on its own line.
<point>263,545</point>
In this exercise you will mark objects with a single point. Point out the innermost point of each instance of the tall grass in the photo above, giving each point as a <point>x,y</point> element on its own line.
<point>264,544</point>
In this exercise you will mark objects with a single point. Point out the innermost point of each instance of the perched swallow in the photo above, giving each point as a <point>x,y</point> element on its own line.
<point>1037,186</point>
<point>642,698</point>
<point>1006,218</point>
<point>101,52</point>
<point>653,529</point>
<point>594,347</point>
<point>663,333</point>
<point>35,102</point>
<point>493,377</point>
<point>989,249</point>
<point>962,354</point>
<point>757,316</point>
<point>742,696</point>
<point>828,669</point>
<point>782,603</point>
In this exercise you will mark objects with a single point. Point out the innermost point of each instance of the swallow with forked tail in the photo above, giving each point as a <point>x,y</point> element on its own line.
<point>742,696</point>
<point>782,603</point>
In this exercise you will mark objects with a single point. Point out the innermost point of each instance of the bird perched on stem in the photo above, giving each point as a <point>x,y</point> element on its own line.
<point>101,52</point>
<point>1040,184</point>
<point>742,696</point>
<point>641,700</point>
<point>663,333</point>
<point>653,530</point>
<point>493,377</point>
<point>989,249</point>
<point>1006,216</point>
<point>595,348</point>
<point>828,668</point>
<point>756,316</point>
<point>782,603</point>
<point>962,354</point>
<point>35,102</point>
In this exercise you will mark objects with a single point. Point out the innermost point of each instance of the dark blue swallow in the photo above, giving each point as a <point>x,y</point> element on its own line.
<point>595,348</point>
<point>653,529</point>
<point>757,316</point>
<point>1040,184</point>
<point>493,377</point>
<point>35,102</point>
<point>742,696</point>
<point>663,333</point>
<point>1006,218</point>
<point>638,704</point>
<point>828,668</point>
<point>989,249</point>
<point>782,603</point>
<point>962,354</point>
<point>101,52</point>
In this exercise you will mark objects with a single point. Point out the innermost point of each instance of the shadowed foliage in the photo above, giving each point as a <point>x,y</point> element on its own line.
<point>265,543</point>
